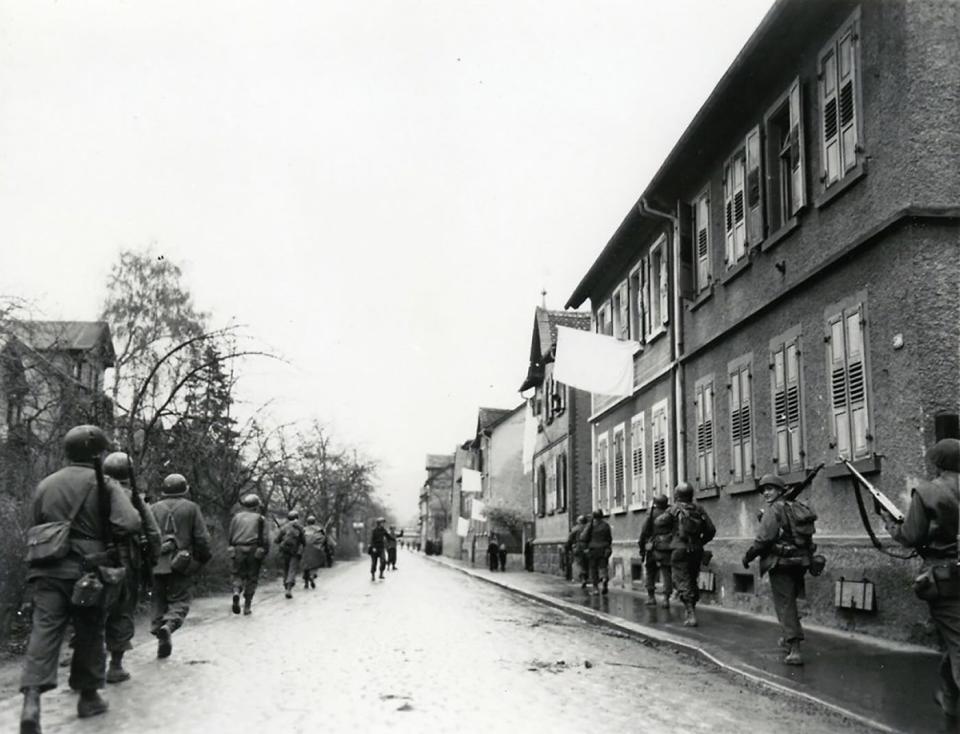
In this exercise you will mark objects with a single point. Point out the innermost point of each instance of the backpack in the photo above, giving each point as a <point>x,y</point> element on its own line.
<point>689,523</point>
<point>801,521</point>
<point>181,559</point>
<point>292,536</point>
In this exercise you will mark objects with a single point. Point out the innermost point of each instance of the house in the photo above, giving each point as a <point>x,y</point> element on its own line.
<point>454,545</point>
<point>790,275</point>
<point>562,452</point>
<point>435,499</point>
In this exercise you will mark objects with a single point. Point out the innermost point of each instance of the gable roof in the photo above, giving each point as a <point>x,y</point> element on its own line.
<point>67,336</point>
<point>487,418</point>
<point>544,339</point>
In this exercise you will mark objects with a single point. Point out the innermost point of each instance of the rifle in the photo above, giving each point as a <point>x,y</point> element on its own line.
<point>880,500</point>
<point>109,556</point>
<point>793,492</point>
<point>148,559</point>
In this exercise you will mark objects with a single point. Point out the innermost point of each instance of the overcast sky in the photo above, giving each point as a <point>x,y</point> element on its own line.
<point>378,189</point>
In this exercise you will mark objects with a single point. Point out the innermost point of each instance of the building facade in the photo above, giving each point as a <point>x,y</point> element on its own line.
<point>436,498</point>
<point>810,219</point>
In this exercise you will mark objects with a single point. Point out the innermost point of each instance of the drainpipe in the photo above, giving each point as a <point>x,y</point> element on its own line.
<point>676,347</point>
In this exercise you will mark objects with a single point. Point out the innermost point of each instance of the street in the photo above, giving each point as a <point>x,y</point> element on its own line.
<point>426,649</point>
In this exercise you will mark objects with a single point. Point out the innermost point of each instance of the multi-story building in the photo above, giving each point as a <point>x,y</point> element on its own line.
<point>809,220</point>
<point>562,452</point>
<point>455,545</point>
<point>436,499</point>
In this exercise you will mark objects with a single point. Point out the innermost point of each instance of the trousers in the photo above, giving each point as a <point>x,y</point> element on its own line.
<point>377,555</point>
<point>392,557</point>
<point>291,569</point>
<point>599,568</point>
<point>685,568</point>
<point>946,617</point>
<point>51,613</point>
<point>120,617</point>
<point>171,600</point>
<point>651,565</point>
<point>245,571</point>
<point>787,585</point>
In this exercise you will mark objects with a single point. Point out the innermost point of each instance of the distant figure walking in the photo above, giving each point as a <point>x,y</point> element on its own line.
<point>290,541</point>
<point>392,548</point>
<point>493,552</point>
<point>314,554</point>
<point>502,555</point>
<point>599,542</point>
<point>377,549</point>
<point>249,545</point>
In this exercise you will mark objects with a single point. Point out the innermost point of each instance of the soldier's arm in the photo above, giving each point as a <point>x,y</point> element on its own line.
<point>767,534</point>
<point>201,537</point>
<point>152,531</point>
<point>232,531</point>
<point>123,515</point>
<point>709,529</point>
<point>646,530</point>
<point>912,532</point>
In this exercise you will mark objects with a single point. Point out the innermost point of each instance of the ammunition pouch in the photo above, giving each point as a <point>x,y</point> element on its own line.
<point>260,553</point>
<point>99,588</point>
<point>939,581</point>
<point>817,564</point>
<point>707,558</point>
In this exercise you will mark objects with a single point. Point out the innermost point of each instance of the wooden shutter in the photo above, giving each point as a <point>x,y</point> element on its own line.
<point>623,311</point>
<point>839,408</point>
<point>780,423</point>
<point>645,296</point>
<point>702,241</point>
<point>663,275</point>
<point>857,382</point>
<point>618,468</point>
<point>736,432</point>
<point>705,458</point>
<point>746,423</point>
<point>792,362</point>
<point>798,181</point>
<point>829,117</point>
<point>636,445</point>
<point>847,61</point>
<point>728,228</point>
<point>754,187</point>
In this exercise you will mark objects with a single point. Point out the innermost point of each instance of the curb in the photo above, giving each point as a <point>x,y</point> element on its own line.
<point>672,641</point>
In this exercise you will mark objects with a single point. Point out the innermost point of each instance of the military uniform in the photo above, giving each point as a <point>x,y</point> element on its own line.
<point>314,540</point>
<point>391,550</point>
<point>378,540</point>
<point>181,519</point>
<point>931,526</point>
<point>290,541</point>
<point>655,538</point>
<point>249,544</point>
<point>574,551</point>
<point>598,538</point>
<point>686,550</point>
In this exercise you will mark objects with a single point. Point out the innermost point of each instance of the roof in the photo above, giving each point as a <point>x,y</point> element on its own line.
<point>69,336</point>
<point>438,461</point>
<point>775,44</point>
<point>487,418</point>
<point>544,339</point>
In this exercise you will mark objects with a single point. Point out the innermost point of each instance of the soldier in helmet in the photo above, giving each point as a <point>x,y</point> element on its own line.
<point>377,549</point>
<point>691,529</point>
<point>185,547</point>
<point>137,552</point>
<point>313,552</point>
<point>290,541</point>
<point>249,544</point>
<point>655,538</point>
<point>575,551</point>
<point>71,495</point>
<point>599,547</point>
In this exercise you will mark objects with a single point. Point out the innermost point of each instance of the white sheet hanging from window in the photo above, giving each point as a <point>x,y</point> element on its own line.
<point>529,438</point>
<point>463,527</point>
<point>597,363</point>
<point>470,481</point>
<point>478,510</point>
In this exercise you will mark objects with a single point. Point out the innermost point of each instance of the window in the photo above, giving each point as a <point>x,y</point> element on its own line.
<point>638,485</point>
<point>562,482</point>
<point>754,187</point>
<point>734,174</point>
<point>701,234</point>
<point>849,402</point>
<point>786,182</point>
<point>657,290</point>
<point>619,474</point>
<point>558,397</point>
<point>541,491</point>
<point>840,103</point>
<point>741,420</point>
<point>637,292</point>
<point>787,405</point>
<point>621,312</point>
<point>660,445</point>
<point>703,402</point>
<point>602,493</point>
<point>605,320</point>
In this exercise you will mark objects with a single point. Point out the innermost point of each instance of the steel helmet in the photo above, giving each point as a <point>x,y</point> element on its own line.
<point>83,443</point>
<point>250,500</point>
<point>311,519</point>
<point>117,465</point>
<point>598,513</point>
<point>772,480</point>
<point>661,501</point>
<point>293,515</point>
<point>175,485</point>
<point>683,492</point>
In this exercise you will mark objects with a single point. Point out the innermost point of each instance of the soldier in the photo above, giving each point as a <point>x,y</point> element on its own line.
<point>599,547</point>
<point>932,526</point>
<point>786,551</point>
<point>71,495</point>
<point>378,539</point>
<point>392,548</point>
<point>137,553</point>
<point>249,544</point>
<point>290,541</point>
<point>655,538</point>
<point>574,551</point>
<point>493,552</point>
<point>313,552</point>
<point>185,548</point>
<point>691,529</point>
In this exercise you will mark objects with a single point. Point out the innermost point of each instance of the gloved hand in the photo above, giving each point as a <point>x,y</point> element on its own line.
<point>746,561</point>
<point>749,556</point>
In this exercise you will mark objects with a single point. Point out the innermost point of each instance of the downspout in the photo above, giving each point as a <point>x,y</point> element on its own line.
<point>678,414</point>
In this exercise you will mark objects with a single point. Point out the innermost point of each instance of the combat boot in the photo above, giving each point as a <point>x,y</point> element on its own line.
<point>289,591</point>
<point>690,618</point>
<point>90,704</point>
<point>164,642</point>
<point>247,611</point>
<point>236,604</point>
<point>666,601</point>
<point>651,599</point>
<point>116,673</point>
<point>30,715</point>
<point>604,590</point>
<point>793,656</point>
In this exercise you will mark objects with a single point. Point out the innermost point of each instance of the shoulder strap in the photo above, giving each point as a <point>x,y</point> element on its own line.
<point>170,522</point>
<point>75,510</point>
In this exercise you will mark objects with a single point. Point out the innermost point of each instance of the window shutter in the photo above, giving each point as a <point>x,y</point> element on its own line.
<point>702,235</point>
<point>709,477</point>
<point>746,427</point>
<point>728,228</point>
<point>754,187</point>
<point>645,299</point>
<point>701,441</point>
<point>665,453</point>
<point>637,444</point>
<point>792,360</point>
<point>857,382</point>
<point>623,307</point>
<point>839,411</point>
<point>664,287</point>
<point>619,477</point>
<point>658,453</point>
<point>798,188</point>
<point>848,103</point>
<point>736,431</point>
<point>830,117</point>
<point>782,445</point>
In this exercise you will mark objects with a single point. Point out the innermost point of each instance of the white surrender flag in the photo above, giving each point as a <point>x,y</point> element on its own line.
<point>463,527</point>
<point>470,481</point>
<point>477,511</point>
<point>598,363</point>
<point>529,439</point>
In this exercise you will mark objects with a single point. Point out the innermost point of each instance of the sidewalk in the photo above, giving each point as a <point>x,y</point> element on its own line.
<point>883,684</point>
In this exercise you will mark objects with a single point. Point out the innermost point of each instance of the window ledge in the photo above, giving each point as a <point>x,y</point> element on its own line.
<point>744,264</point>
<point>839,187</point>
<point>635,507</point>
<point>638,348</point>
<point>744,486</point>
<point>702,298</point>
<point>551,513</point>
<point>660,331</point>
<point>707,492</point>
<point>786,229</point>
<point>869,465</point>
<point>618,511</point>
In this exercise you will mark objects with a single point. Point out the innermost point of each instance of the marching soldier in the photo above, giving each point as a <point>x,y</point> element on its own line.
<point>392,548</point>
<point>655,538</point>
<point>185,547</point>
<point>692,529</point>
<point>72,496</point>
<point>786,552</point>
<point>313,552</point>
<point>249,544</point>
<point>290,541</point>
<point>378,539</point>
<point>932,526</point>
<point>137,552</point>
<point>574,551</point>
<point>599,542</point>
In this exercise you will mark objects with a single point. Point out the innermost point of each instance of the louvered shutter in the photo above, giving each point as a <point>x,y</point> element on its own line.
<point>702,240</point>
<point>746,427</point>
<point>798,187</point>
<point>736,430</point>
<point>839,407</point>
<point>623,308</point>
<point>636,445</point>
<point>780,425</point>
<point>792,360</point>
<point>645,298</point>
<point>728,228</point>
<point>658,453</point>
<point>754,187</point>
<point>664,287</point>
<point>829,117</point>
<point>846,50</point>
<point>701,441</point>
<point>709,478</point>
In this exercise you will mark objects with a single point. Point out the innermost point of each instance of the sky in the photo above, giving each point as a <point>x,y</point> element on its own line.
<point>378,191</point>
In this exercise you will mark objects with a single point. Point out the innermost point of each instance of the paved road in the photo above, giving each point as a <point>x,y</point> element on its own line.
<point>426,650</point>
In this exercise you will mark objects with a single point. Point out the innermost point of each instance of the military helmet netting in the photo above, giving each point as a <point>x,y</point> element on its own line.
<point>250,500</point>
<point>293,515</point>
<point>117,465</point>
<point>83,443</point>
<point>175,484</point>
<point>945,454</point>
<point>772,480</point>
<point>683,492</point>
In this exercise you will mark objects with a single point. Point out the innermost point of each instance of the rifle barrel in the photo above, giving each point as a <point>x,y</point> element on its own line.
<point>882,499</point>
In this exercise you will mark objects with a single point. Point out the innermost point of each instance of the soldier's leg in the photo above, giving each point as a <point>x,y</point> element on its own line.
<point>383,562</point>
<point>693,574</point>
<point>650,573</point>
<point>946,616</point>
<point>784,587</point>
<point>51,612</point>
<point>119,627</point>
<point>373,564</point>
<point>681,581</point>
<point>88,666</point>
<point>178,601</point>
<point>158,601</point>
<point>666,575</point>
